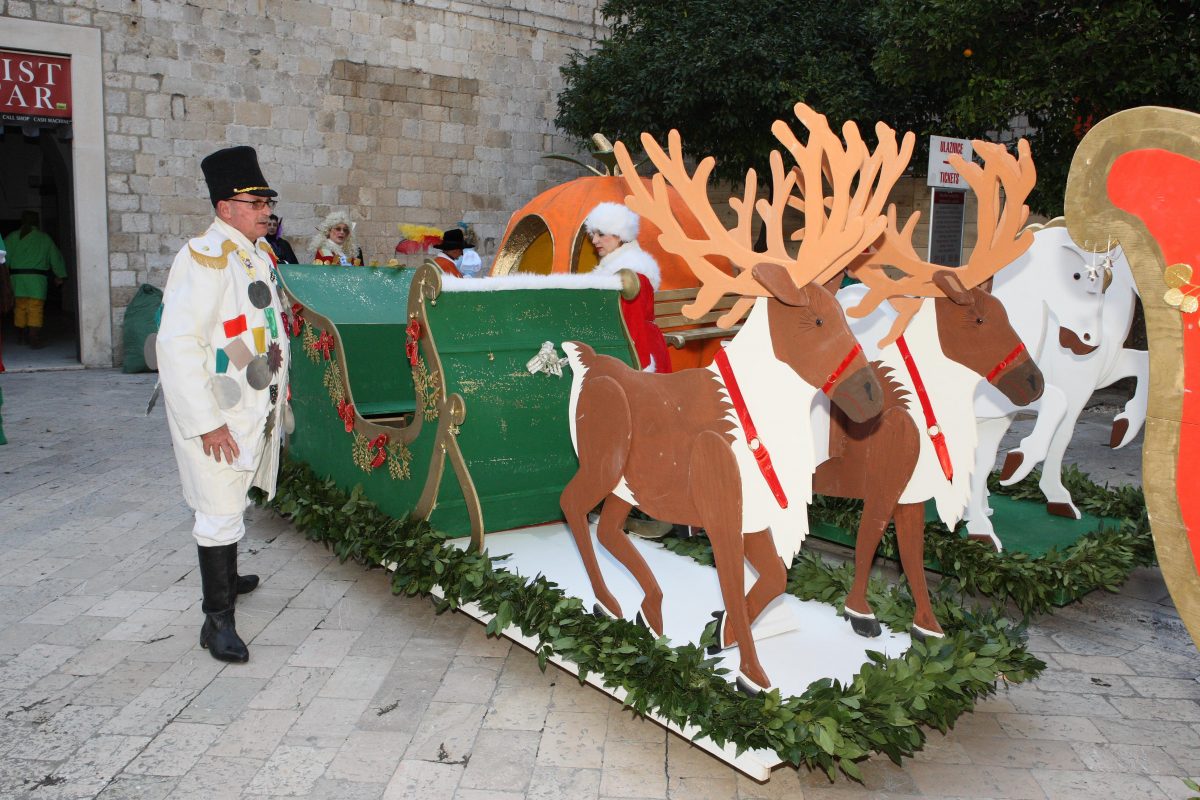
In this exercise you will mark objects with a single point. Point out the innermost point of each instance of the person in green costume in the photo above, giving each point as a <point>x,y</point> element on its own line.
<point>32,256</point>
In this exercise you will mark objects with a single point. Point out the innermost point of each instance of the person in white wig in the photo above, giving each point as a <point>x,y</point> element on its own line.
<point>613,230</point>
<point>334,242</point>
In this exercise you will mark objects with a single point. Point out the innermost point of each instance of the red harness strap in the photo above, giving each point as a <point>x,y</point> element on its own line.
<point>837,373</point>
<point>757,448</point>
<point>932,429</point>
<point>1009,359</point>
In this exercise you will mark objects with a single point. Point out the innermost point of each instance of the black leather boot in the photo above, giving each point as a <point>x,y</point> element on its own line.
<point>246,583</point>
<point>218,576</point>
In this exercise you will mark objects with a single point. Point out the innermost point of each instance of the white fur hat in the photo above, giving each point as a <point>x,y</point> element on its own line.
<point>614,219</point>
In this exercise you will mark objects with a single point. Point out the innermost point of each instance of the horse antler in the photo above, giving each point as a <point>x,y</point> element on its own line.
<point>1001,239</point>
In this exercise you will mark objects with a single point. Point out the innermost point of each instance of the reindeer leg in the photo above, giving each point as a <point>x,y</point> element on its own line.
<point>603,432</point>
<point>910,533</point>
<point>875,516</point>
<point>772,575</point>
<point>716,493</point>
<point>614,539</point>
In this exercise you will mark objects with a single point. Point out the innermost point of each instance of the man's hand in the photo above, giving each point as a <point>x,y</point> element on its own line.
<point>220,442</point>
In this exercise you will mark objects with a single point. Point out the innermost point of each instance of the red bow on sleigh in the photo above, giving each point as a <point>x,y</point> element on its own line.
<point>323,344</point>
<point>297,318</point>
<point>411,346</point>
<point>379,446</point>
<point>346,412</point>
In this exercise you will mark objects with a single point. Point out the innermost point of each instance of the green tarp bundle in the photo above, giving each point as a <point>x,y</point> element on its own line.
<point>141,320</point>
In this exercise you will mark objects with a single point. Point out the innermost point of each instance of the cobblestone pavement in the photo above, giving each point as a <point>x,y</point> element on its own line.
<point>353,693</point>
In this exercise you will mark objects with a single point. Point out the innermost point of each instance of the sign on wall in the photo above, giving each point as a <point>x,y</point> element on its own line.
<point>946,227</point>
<point>941,174</point>
<point>34,87</point>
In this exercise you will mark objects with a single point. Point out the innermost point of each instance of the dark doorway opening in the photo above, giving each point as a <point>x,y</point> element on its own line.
<point>36,175</point>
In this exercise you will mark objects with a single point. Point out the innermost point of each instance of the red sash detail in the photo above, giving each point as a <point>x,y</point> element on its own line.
<point>757,448</point>
<point>1009,359</point>
<point>932,429</point>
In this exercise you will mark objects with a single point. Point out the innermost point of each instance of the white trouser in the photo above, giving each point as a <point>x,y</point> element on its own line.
<point>216,530</point>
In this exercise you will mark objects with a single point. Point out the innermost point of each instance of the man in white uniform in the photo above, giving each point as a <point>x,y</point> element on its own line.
<point>223,363</point>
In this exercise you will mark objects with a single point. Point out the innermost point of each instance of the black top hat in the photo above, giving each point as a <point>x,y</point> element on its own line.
<point>234,170</point>
<point>452,239</point>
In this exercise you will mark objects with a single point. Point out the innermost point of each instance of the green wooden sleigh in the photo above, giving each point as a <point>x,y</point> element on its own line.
<point>395,376</point>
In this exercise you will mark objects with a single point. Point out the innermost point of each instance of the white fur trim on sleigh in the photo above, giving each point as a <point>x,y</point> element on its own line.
<point>505,283</point>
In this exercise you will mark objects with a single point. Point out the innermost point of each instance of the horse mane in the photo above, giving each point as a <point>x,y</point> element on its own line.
<point>894,394</point>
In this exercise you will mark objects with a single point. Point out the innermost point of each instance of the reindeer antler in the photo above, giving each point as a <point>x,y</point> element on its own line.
<point>1000,239</point>
<point>829,241</point>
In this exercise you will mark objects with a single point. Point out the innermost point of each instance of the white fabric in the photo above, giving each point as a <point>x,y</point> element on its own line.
<point>469,263</point>
<point>632,257</point>
<point>217,530</point>
<point>614,219</point>
<point>196,302</point>
<point>526,280</point>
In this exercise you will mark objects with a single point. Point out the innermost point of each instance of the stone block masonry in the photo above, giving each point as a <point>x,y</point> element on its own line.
<point>424,111</point>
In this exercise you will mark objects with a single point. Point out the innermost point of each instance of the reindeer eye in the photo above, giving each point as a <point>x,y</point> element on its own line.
<point>1076,276</point>
<point>820,322</point>
<point>979,320</point>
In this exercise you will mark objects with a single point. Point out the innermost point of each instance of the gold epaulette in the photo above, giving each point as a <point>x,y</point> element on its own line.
<point>265,248</point>
<point>210,260</point>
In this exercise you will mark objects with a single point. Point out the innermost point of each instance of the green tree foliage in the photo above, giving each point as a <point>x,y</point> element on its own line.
<point>721,72</point>
<point>977,66</point>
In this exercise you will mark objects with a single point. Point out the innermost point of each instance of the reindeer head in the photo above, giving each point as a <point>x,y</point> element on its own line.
<point>840,186</point>
<point>974,331</point>
<point>809,333</point>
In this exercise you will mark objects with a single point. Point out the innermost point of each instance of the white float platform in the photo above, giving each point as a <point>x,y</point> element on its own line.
<point>798,641</point>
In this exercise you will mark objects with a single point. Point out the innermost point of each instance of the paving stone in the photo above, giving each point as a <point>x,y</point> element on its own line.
<point>1041,726</point>
<point>467,685</point>
<point>1166,688</point>
<point>291,627</point>
<point>322,648</point>
<point>357,678</point>
<point>631,770</point>
<point>62,733</point>
<point>1139,731</point>
<point>326,722</point>
<point>175,750</point>
<point>119,686</point>
<point>501,761</point>
<point>138,787</point>
<point>712,787</point>
<point>34,662</point>
<point>323,594</point>
<point>331,789</point>
<point>1020,753</point>
<point>292,687</point>
<point>446,732</point>
<point>149,712</point>
<point>552,783</point>
<point>1127,758</point>
<point>417,779</point>
<point>368,754</point>
<point>290,771</point>
<point>254,734</point>
<point>519,708</point>
<point>62,610</point>
<point>93,766</point>
<point>574,739</point>
<point>1069,785</point>
<point>1144,708</point>
<point>998,782</point>
<point>222,701</point>
<point>217,778</point>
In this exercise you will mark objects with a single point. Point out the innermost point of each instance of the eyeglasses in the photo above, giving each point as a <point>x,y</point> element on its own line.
<point>257,205</point>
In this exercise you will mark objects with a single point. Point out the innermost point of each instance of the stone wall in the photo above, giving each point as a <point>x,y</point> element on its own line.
<point>417,111</point>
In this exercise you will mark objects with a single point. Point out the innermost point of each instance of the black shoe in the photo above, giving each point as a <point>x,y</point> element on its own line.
<point>218,577</point>
<point>246,583</point>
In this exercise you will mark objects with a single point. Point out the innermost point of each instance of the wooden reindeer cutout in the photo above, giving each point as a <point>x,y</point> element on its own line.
<point>946,336</point>
<point>729,448</point>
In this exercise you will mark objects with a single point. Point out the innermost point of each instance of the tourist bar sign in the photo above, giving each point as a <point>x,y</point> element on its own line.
<point>34,87</point>
<point>941,174</point>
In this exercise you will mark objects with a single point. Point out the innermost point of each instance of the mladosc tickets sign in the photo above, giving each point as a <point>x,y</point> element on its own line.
<point>34,87</point>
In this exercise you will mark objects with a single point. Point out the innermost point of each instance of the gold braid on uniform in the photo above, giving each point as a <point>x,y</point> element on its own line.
<point>265,249</point>
<point>214,262</point>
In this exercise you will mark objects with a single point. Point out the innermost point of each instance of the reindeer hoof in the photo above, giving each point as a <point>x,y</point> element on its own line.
<point>601,610</point>
<point>990,539</point>
<point>1012,462</point>
<point>863,624</point>
<point>1062,510</point>
<point>921,634</point>
<point>748,687</point>
<point>1118,433</point>
<point>641,621</point>
<point>715,649</point>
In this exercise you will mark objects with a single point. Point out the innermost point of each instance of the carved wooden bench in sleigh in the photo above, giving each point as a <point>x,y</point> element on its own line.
<point>399,373</point>
<point>678,329</point>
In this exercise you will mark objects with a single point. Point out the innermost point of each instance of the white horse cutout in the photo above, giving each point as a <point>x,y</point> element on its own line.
<point>1073,309</point>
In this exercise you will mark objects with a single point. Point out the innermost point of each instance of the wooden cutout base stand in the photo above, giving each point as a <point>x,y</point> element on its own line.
<point>799,641</point>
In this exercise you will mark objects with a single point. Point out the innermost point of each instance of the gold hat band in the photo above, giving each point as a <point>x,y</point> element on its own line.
<point>250,189</point>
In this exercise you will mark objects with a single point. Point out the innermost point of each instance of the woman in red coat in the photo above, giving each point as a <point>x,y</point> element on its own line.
<point>613,229</point>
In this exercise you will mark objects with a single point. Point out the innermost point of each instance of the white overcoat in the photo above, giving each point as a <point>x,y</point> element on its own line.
<point>207,288</point>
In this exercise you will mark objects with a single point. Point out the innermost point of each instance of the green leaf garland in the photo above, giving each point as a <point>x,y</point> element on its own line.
<point>883,709</point>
